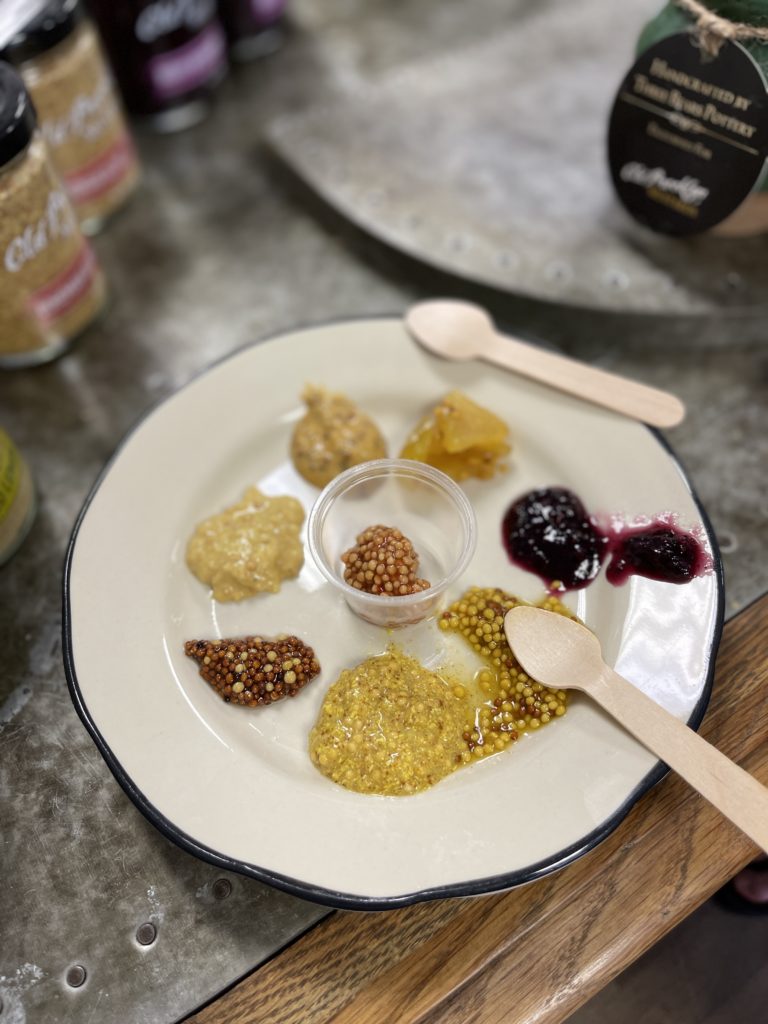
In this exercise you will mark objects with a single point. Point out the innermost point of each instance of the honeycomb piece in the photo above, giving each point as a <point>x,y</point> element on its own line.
<point>461,438</point>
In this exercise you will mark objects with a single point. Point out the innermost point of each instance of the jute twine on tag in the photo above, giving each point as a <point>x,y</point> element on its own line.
<point>712,30</point>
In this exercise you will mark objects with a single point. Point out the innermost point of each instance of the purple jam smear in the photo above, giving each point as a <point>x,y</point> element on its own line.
<point>660,552</point>
<point>550,533</point>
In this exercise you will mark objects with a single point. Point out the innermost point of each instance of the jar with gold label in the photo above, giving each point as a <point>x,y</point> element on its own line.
<point>51,287</point>
<point>57,51</point>
<point>17,498</point>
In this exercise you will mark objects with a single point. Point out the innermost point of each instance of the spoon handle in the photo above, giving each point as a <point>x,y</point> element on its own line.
<point>649,405</point>
<point>734,792</point>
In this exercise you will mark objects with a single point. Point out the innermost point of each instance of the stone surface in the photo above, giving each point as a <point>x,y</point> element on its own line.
<point>217,250</point>
<point>489,162</point>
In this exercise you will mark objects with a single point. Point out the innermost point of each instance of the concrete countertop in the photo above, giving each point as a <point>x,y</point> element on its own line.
<point>217,250</point>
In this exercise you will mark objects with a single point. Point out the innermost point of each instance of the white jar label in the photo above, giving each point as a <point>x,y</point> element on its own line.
<point>165,16</point>
<point>58,221</point>
<point>88,117</point>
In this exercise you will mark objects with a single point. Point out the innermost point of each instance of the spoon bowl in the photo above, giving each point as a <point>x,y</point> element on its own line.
<point>564,654</point>
<point>450,328</point>
<point>557,651</point>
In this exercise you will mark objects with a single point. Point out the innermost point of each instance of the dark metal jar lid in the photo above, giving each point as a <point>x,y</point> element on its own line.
<point>30,27</point>
<point>17,115</point>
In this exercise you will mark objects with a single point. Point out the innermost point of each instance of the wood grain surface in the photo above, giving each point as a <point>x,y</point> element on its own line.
<point>538,952</point>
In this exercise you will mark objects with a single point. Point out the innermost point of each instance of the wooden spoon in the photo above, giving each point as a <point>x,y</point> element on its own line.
<point>461,330</point>
<point>561,653</point>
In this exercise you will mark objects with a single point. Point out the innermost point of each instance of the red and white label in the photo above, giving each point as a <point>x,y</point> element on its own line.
<point>58,296</point>
<point>103,173</point>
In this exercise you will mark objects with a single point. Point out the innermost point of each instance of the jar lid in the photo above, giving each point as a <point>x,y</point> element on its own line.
<point>30,27</point>
<point>17,115</point>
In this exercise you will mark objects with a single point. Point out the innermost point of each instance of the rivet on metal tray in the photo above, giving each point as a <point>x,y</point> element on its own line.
<point>559,272</point>
<point>617,279</point>
<point>222,887</point>
<point>507,260</point>
<point>459,243</point>
<point>146,934</point>
<point>727,542</point>
<point>76,976</point>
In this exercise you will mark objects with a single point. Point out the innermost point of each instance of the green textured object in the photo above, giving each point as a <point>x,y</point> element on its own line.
<point>672,19</point>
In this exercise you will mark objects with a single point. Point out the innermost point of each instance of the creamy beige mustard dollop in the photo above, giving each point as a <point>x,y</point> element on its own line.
<point>249,548</point>
<point>333,435</point>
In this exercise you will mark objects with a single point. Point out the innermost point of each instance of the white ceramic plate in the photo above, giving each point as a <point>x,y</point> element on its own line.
<point>236,785</point>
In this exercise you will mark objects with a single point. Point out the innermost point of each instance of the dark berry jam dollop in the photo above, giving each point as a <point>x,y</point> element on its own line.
<point>549,532</point>
<point>660,552</point>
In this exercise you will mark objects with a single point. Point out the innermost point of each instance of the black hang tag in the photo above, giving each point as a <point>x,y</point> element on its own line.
<point>688,134</point>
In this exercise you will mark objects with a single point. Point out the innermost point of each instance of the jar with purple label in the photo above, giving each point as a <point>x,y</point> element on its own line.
<point>168,56</point>
<point>254,28</point>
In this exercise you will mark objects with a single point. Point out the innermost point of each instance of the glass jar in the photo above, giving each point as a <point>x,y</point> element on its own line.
<point>168,56</point>
<point>17,498</point>
<point>59,56</point>
<point>254,27</point>
<point>51,287</point>
<point>751,217</point>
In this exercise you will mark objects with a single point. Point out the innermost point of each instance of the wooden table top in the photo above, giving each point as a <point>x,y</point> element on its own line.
<point>536,953</point>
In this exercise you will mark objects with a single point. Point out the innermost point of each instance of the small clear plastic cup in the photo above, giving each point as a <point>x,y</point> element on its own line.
<point>420,501</point>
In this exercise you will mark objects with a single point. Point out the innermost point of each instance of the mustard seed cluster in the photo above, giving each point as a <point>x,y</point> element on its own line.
<point>390,726</point>
<point>253,670</point>
<point>383,561</point>
<point>514,703</point>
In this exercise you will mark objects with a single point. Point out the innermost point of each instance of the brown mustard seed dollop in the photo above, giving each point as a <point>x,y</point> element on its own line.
<point>252,670</point>
<point>383,561</point>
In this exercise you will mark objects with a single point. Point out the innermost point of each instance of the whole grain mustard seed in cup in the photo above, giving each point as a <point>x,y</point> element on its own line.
<point>411,500</point>
<point>51,287</point>
<point>57,51</point>
<point>17,498</point>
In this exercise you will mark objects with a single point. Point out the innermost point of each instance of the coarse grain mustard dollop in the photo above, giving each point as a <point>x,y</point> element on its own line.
<point>333,435</point>
<point>389,726</point>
